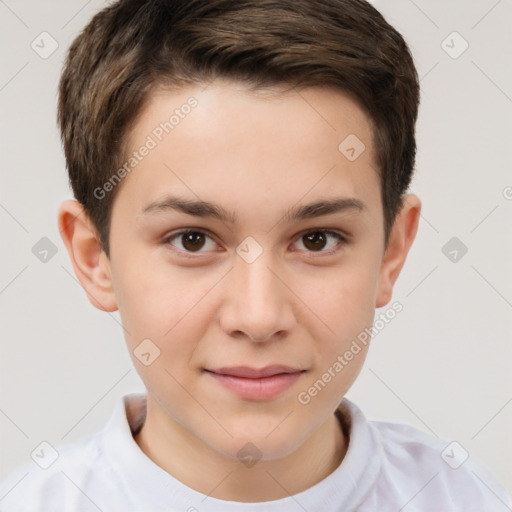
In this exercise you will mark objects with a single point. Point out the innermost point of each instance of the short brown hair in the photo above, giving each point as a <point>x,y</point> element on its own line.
<point>132,46</point>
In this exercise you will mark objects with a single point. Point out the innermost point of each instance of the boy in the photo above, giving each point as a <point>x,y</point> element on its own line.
<point>240,172</point>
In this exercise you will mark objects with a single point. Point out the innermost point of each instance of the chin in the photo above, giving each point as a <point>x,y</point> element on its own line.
<point>257,441</point>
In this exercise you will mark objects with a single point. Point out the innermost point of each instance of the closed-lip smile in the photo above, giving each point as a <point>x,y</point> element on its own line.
<point>256,384</point>
<point>255,373</point>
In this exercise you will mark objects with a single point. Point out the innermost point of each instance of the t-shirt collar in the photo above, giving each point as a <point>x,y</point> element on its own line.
<point>148,485</point>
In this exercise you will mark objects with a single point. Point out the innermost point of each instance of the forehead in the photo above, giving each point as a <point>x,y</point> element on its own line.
<point>225,144</point>
<point>232,111</point>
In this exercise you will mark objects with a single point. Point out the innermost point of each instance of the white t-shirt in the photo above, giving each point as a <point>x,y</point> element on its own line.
<point>387,467</point>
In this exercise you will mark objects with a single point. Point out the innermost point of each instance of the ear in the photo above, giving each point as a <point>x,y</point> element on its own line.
<point>90,263</point>
<point>400,240</point>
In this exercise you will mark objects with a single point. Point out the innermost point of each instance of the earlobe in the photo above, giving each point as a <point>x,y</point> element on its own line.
<point>401,238</point>
<point>89,261</point>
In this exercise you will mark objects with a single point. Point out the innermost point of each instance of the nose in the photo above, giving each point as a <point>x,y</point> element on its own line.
<point>258,303</point>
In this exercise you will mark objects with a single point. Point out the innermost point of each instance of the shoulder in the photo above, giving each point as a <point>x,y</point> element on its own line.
<point>429,473</point>
<point>67,477</point>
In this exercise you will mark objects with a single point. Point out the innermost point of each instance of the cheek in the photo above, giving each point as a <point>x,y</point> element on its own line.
<point>341,299</point>
<point>156,301</point>
<point>345,308</point>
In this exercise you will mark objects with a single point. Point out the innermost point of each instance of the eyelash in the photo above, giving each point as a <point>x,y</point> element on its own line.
<point>342,240</point>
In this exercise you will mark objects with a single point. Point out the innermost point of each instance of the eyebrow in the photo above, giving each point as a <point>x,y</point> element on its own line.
<point>206,209</point>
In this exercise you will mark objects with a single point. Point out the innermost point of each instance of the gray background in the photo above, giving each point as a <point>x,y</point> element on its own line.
<point>443,364</point>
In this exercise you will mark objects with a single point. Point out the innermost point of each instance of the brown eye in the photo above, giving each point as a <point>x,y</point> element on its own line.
<point>315,241</point>
<point>318,240</point>
<point>191,241</point>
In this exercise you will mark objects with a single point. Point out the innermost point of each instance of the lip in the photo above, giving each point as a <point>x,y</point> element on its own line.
<point>257,384</point>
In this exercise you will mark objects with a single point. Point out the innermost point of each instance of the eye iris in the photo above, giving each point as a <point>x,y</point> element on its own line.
<point>190,240</point>
<point>315,237</point>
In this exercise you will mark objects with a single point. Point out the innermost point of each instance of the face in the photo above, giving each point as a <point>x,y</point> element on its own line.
<point>247,309</point>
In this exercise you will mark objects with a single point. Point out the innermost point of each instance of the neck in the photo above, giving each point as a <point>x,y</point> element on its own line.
<point>199,467</point>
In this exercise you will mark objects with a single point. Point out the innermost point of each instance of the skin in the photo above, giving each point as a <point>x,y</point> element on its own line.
<point>256,155</point>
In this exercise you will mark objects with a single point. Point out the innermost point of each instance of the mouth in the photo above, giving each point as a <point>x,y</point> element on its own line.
<point>256,384</point>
